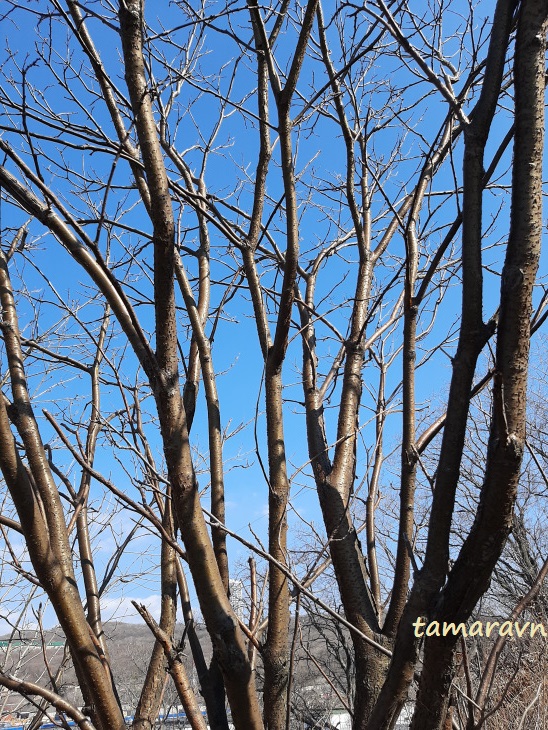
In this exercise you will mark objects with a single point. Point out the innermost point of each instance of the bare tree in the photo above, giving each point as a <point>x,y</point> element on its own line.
<point>327,185</point>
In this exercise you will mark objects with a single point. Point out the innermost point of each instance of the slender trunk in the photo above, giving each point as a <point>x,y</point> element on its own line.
<point>228,643</point>
<point>38,505</point>
<point>209,678</point>
<point>151,694</point>
<point>472,338</point>
<point>276,658</point>
<point>472,571</point>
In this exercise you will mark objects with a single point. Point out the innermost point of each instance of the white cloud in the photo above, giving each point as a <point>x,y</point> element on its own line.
<point>121,608</point>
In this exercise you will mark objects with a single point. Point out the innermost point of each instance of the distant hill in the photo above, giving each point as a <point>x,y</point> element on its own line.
<point>129,645</point>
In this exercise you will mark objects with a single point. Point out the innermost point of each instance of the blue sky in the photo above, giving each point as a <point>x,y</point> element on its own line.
<point>324,217</point>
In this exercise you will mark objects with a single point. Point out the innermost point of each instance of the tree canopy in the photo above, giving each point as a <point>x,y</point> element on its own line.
<point>268,260</point>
